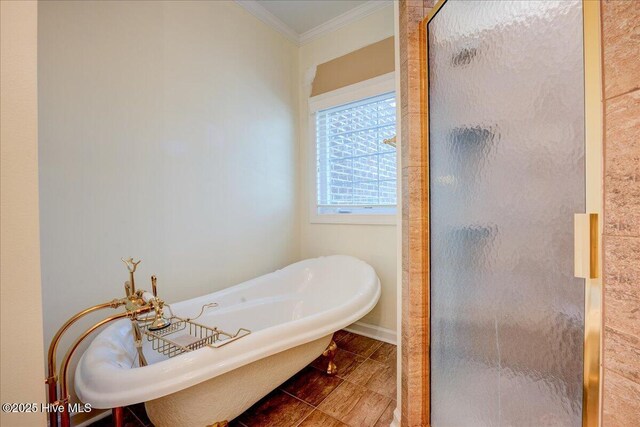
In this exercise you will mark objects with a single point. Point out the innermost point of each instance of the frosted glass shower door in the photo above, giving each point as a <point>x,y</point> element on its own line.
<point>506,158</point>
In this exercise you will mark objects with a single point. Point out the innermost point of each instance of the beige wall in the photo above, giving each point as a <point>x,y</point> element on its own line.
<point>375,244</point>
<point>621,45</point>
<point>22,373</point>
<point>167,132</point>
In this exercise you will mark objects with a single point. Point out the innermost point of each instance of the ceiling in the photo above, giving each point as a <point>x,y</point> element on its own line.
<point>304,20</point>
<point>304,15</point>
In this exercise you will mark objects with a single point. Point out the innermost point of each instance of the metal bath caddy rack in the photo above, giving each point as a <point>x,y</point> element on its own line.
<point>183,335</point>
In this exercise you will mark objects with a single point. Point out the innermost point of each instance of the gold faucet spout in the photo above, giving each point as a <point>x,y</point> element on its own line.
<point>136,303</point>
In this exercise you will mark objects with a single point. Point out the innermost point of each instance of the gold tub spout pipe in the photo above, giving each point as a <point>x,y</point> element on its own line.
<point>64,367</point>
<point>135,304</point>
<point>51,380</point>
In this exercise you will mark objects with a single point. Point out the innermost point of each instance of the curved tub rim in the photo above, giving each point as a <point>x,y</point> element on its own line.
<point>295,333</point>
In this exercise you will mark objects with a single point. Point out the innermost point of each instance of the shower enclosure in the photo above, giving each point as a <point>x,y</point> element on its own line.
<point>505,85</point>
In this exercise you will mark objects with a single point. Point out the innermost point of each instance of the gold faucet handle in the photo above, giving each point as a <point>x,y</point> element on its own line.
<point>131,264</point>
<point>154,287</point>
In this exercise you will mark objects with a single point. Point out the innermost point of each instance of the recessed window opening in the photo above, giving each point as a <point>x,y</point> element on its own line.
<point>356,157</point>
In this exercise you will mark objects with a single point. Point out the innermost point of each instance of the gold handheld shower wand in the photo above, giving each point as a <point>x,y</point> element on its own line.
<point>136,303</point>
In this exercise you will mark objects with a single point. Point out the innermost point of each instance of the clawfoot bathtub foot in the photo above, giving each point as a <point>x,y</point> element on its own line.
<point>224,423</point>
<point>118,416</point>
<point>330,353</point>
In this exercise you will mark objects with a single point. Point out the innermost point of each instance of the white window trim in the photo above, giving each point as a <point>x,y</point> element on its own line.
<point>355,92</point>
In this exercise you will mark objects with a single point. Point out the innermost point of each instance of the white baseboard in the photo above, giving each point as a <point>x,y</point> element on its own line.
<point>396,418</point>
<point>373,331</point>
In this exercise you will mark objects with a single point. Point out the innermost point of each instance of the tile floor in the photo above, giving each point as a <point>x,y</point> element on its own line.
<point>362,394</point>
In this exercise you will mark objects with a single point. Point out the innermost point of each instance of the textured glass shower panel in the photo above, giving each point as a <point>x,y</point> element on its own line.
<point>507,175</point>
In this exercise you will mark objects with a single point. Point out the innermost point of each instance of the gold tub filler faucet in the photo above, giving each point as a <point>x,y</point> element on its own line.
<point>147,314</point>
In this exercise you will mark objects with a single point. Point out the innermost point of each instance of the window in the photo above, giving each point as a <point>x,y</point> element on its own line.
<point>356,172</point>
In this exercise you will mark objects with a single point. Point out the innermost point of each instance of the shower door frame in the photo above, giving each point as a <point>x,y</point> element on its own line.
<point>594,143</point>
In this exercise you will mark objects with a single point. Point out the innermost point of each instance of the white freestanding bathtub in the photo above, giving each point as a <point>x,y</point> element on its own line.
<point>292,314</point>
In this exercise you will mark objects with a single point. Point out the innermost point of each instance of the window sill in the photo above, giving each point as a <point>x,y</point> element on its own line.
<point>371,219</point>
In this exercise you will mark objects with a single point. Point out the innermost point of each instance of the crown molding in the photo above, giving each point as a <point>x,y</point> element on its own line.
<point>256,9</point>
<point>346,18</point>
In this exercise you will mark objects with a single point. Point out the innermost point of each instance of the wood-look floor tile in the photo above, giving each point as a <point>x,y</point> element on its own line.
<point>375,376</point>
<point>387,416</point>
<point>338,335</point>
<point>355,405</point>
<point>386,353</point>
<point>320,419</point>
<point>129,421</point>
<point>236,423</point>
<point>277,409</point>
<point>359,344</point>
<point>362,406</point>
<point>311,385</point>
<point>344,360</point>
<point>140,412</point>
